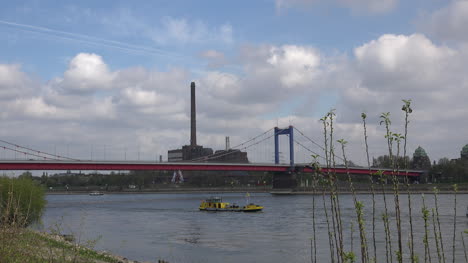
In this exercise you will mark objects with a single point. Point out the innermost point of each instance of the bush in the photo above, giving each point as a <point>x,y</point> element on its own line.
<point>21,201</point>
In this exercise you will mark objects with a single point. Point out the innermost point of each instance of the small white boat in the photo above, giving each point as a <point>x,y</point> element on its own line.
<point>96,193</point>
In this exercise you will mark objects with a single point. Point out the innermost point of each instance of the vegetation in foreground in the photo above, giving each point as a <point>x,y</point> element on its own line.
<point>21,203</point>
<point>25,245</point>
<point>399,244</point>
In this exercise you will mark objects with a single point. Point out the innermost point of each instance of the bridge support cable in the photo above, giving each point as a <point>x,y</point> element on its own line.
<point>237,146</point>
<point>254,138</point>
<point>308,149</point>
<point>320,146</point>
<point>28,153</point>
<point>35,153</point>
<point>216,156</point>
<point>300,132</point>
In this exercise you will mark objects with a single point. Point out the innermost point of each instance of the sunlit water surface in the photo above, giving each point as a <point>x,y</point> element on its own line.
<point>148,227</point>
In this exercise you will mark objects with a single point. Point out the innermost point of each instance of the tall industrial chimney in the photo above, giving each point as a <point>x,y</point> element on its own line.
<point>193,120</point>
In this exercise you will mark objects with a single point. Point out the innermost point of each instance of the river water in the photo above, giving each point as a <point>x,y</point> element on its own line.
<point>148,227</point>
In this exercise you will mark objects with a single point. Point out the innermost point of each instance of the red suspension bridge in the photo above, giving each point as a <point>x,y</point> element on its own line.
<point>40,160</point>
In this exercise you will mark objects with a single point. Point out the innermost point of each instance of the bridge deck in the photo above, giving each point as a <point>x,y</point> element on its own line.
<point>191,166</point>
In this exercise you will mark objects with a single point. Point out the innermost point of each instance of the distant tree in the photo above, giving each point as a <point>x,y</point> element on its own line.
<point>443,161</point>
<point>26,175</point>
<point>385,162</point>
<point>449,171</point>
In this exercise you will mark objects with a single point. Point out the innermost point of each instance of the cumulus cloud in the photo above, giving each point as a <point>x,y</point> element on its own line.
<point>356,6</point>
<point>86,73</point>
<point>148,110</point>
<point>448,23</point>
<point>297,65</point>
<point>32,107</point>
<point>395,67</point>
<point>396,62</point>
<point>14,82</point>
<point>90,97</point>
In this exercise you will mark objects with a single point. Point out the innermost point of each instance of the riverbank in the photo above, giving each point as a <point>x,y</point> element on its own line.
<point>343,188</point>
<point>26,245</point>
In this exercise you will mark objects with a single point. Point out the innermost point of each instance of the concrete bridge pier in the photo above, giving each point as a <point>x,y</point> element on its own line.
<point>284,181</point>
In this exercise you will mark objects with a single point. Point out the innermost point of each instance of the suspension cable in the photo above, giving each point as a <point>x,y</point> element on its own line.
<point>216,156</point>
<point>253,138</point>
<point>309,150</point>
<point>56,157</point>
<point>27,153</point>
<point>321,147</point>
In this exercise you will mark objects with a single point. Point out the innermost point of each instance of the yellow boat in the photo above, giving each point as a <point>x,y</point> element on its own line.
<point>217,204</point>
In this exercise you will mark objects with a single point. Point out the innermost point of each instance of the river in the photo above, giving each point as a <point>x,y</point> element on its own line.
<point>148,227</point>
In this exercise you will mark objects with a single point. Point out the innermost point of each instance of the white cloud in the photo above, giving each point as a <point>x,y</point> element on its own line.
<point>150,108</point>
<point>396,62</point>
<point>297,65</point>
<point>33,107</point>
<point>395,67</point>
<point>86,72</point>
<point>448,23</point>
<point>14,82</point>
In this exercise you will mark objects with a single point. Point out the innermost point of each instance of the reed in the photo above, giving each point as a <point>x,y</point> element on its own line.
<point>436,236</point>
<point>463,244</point>
<point>385,119</point>
<point>335,197</point>
<point>331,232</point>
<point>397,149</point>
<point>358,208</point>
<point>351,252</point>
<point>363,117</point>
<point>315,165</point>
<point>439,232</point>
<point>455,190</point>
<point>332,187</point>
<point>388,239</point>
<point>425,216</point>
<point>408,110</point>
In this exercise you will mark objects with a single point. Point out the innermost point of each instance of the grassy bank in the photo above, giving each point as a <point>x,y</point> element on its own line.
<point>21,204</point>
<point>25,245</point>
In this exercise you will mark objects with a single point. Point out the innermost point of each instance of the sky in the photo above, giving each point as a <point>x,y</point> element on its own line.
<point>111,79</point>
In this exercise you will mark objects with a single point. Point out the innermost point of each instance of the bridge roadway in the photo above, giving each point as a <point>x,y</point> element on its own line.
<point>171,166</point>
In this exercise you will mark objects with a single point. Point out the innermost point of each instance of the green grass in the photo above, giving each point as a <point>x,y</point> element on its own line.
<point>24,245</point>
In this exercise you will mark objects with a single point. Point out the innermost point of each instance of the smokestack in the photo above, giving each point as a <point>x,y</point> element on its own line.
<point>193,120</point>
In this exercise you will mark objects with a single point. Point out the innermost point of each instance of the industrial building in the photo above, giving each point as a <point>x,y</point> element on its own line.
<point>194,152</point>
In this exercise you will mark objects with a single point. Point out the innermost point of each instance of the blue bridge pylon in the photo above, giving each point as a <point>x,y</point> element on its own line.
<point>290,132</point>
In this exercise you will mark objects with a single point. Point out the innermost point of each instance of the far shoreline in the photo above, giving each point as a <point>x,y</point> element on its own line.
<point>360,189</point>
